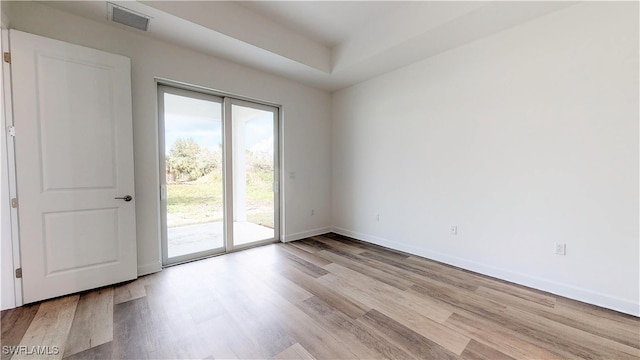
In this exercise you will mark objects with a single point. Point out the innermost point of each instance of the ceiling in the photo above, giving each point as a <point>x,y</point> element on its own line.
<point>325,44</point>
<point>327,22</point>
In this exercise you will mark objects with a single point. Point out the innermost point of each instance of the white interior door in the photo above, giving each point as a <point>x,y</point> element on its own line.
<point>74,159</point>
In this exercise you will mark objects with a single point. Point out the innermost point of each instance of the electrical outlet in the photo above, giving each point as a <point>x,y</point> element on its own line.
<point>453,230</point>
<point>561,249</point>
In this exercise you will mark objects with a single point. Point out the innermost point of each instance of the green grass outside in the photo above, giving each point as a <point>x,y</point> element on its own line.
<point>201,201</point>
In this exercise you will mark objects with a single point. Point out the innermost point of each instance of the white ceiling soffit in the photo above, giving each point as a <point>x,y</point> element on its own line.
<point>327,22</point>
<point>235,21</point>
<point>329,45</point>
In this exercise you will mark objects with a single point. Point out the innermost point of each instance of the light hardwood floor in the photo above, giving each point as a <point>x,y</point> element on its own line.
<point>326,297</point>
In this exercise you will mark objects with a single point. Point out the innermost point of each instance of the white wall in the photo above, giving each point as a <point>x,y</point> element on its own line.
<point>523,139</point>
<point>306,117</point>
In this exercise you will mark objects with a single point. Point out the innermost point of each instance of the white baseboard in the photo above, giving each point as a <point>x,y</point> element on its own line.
<point>566,290</point>
<point>306,234</point>
<point>149,268</point>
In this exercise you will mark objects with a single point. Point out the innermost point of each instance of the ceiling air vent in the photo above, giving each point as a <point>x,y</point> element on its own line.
<point>128,17</point>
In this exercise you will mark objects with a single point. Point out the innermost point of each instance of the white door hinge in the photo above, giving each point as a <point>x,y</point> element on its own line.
<point>14,203</point>
<point>11,130</point>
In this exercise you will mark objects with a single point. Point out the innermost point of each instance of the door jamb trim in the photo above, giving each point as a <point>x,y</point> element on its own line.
<point>9,150</point>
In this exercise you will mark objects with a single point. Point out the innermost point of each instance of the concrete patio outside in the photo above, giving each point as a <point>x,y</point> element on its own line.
<point>189,239</point>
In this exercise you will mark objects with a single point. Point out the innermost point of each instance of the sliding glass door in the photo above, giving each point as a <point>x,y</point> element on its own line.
<point>192,191</point>
<point>253,171</point>
<point>218,178</point>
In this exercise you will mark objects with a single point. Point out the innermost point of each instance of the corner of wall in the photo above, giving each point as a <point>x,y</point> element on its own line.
<point>306,234</point>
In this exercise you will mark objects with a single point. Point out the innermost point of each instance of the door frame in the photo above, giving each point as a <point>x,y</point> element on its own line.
<point>226,97</point>
<point>8,155</point>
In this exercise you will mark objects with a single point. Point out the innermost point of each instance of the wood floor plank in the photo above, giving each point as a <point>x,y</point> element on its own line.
<point>366,269</point>
<point>319,342</point>
<point>498,337</point>
<point>256,316</point>
<point>403,277</point>
<point>93,321</point>
<point>360,339</point>
<point>459,299</point>
<point>333,243</point>
<point>49,328</point>
<point>523,323</point>
<point>129,291</point>
<point>479,351</point>
<point>410,314</point>
<point>100,352</point>
<point>511,300</point>
<point>364,246</point>
<point>15,323</point>
<point>294,352</point>
<point>373,301</point>
<point>403,274</point>
<point>387,253</point>
<point>603,327</point>
<point>529,294</point>
<point>416,344</point>
<point>283,286</point>
<point>227,340</point>
<point>433,275</point>
<point>313,242</point>
<point>544,333</point>
<point>300,244</point>
<point>303,265</point>
<point>573,341</point>
<point>182,311</point>
<point>171,306</point>
<point>168,328</point>
<point>360,247</point>
<point>574,307</point>
<point>383,292</point>
<point>134,330</point>
<point>343,303</point>
<point>312,258</point>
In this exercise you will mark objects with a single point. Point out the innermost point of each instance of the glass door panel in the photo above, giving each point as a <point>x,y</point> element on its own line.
<point>192,174</point>
<point>254,169</point>
<point>218,174</point>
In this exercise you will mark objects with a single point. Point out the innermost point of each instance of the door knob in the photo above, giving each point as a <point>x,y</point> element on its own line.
<point>126,198</point>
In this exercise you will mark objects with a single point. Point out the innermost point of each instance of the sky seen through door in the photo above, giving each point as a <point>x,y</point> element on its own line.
<point>200,120</point>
